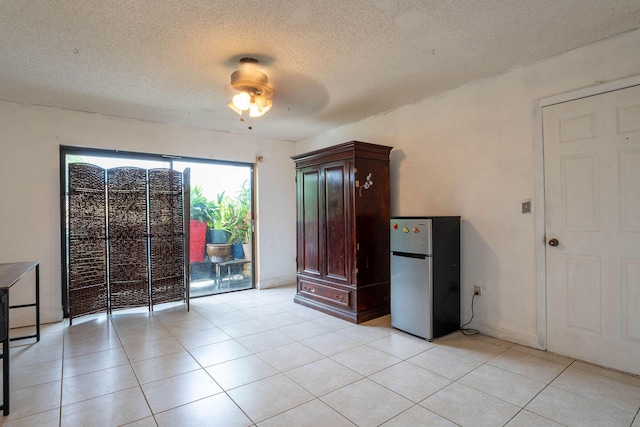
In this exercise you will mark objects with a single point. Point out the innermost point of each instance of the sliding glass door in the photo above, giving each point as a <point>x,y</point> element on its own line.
<point>221,226</point>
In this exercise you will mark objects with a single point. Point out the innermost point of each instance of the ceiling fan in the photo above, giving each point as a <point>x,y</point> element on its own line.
<point>255,92</point>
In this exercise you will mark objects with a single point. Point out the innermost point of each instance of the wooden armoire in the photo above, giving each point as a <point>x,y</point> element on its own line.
<point>343,230</point>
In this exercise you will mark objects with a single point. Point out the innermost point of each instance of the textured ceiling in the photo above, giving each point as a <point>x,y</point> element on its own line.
<point>330,62</point>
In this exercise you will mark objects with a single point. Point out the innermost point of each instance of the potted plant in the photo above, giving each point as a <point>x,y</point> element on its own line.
<point>216,230</point>
<point>244,236</point>
<point>220,211</point>
<point>199,218</point>
<point>238,216</point>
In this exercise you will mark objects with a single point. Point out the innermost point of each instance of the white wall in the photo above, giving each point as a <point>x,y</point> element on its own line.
<point>30,191</point>
<point>470,152</point>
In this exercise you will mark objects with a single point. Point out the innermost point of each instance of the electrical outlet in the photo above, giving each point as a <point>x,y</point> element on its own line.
<point>477,290</point>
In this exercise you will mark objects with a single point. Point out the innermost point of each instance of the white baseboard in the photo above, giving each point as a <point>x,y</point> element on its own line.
<point>276,282</point>
<point>26,317</point>
<point>507,333</point>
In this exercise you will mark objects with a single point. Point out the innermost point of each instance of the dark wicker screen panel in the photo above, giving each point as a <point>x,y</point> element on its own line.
<point>132,218</point>
<point>166,236</point>
<point>127,237</point>
<point>87,240</point>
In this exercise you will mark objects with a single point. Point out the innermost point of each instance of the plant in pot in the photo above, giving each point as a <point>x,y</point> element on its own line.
<point>216,232</point>
<point>239,222</point>
<point>244,236</point>
<point>198,224</point>
<point>219,249</point>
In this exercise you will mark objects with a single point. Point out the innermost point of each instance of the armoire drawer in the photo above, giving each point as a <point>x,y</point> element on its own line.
<point>324,293</point>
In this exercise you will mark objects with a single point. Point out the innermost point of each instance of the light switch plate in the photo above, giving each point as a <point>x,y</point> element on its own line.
<point>526,206</point>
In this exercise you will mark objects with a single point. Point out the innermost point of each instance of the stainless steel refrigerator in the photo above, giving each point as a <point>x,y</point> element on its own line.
<point>425,275</point>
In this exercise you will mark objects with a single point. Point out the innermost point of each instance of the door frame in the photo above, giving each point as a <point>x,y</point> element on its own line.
<point>539,197</point>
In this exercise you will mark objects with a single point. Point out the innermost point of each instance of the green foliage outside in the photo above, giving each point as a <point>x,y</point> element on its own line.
<point>199,205</point>
<point>224,212</point>
<point>73,158</point>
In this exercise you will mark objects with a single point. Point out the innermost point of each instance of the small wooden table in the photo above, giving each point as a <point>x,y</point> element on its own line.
<point>228,264</point>
<point>10,274</point>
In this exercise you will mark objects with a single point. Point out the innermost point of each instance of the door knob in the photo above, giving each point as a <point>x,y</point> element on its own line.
<point>554,242</point>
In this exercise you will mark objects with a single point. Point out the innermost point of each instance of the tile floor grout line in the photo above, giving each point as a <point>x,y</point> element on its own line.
<point>139,386</point>
<point>582,396</point>
<point>485,363</point>
<point>276,301</point>
<point>284,373</point>
<point>523,407</point>
<point>456,381</point>
<point>279,372</point>
<point>547,385</point>
<point>223,390</point>
<point>370,379</point>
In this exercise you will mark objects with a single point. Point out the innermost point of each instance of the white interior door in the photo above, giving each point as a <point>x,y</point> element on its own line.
<point>592,202</point>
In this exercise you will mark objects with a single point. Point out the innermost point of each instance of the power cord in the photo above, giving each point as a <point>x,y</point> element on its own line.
<point>469,331</point>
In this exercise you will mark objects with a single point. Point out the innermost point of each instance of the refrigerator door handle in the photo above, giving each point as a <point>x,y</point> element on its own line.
<point>410,255</point>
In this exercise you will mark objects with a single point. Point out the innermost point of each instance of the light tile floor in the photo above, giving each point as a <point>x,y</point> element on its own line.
<point>254,358</point>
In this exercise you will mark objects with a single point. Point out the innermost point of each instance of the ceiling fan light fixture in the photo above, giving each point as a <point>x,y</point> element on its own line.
<point>259,106</point>
<point>255,111</point>
<point>242,101</point>
<point>234,108</point>
<point>255,93</point>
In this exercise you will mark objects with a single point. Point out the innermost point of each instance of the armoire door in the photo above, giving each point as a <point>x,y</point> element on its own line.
<point>323,222</point>
<point>310,248</point>
<point>336,199</point>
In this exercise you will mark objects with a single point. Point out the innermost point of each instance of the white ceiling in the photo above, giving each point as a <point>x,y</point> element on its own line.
<point>330,62</point>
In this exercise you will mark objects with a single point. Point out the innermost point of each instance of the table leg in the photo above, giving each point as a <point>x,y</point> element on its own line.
<point>4,294</point>
<point>218,275</point>
<point>38,302</point>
